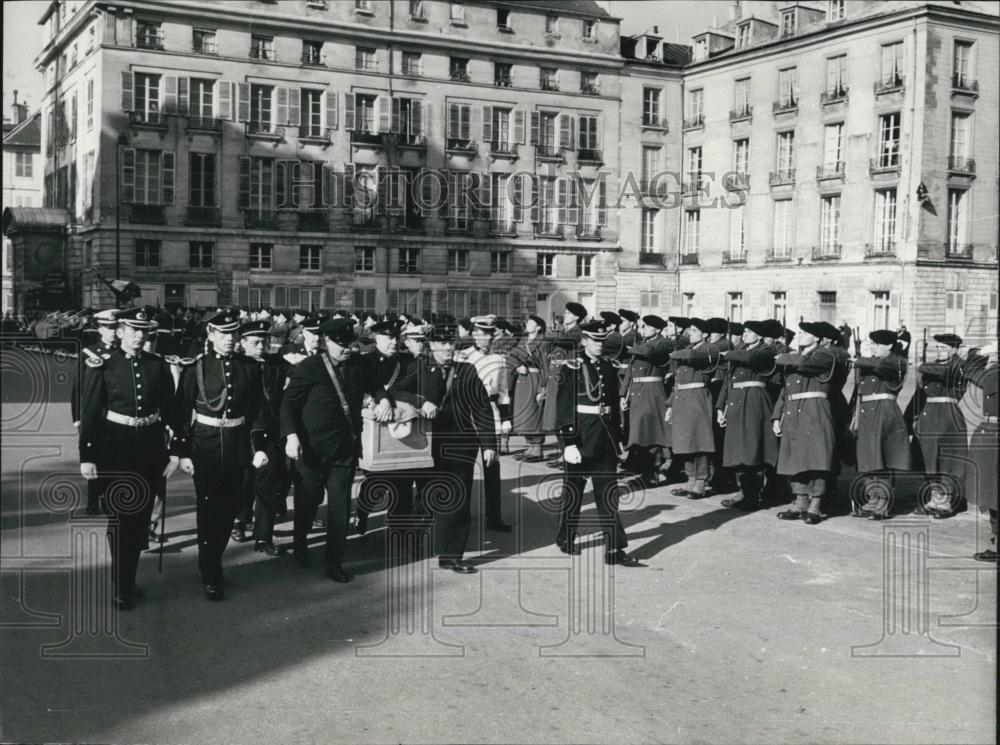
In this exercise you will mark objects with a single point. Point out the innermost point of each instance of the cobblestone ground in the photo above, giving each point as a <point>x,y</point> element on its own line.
<point>739,628</point>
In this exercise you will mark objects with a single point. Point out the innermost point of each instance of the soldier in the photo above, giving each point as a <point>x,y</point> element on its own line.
<point>883,441</point>
<point>628,329</point>
<point>218,403</point>
<point>613,348</point>
<point>689,409</point>
<point>803,421</point>
<point>126,401</point>
<point>562,349</point>
<point>675,331</point>
<point>590,433</point>
<point>321,424</point>
<point>939,428</point>
<point>718,336</point>
<point>531,366</point>
<point>107,329</point>
<point>744,410</point>
<point>980,369</point>
<point>644,400</point>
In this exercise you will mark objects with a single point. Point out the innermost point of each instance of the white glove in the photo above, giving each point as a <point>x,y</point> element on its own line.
<point>171,466</point>
<point>776,426</point>
<point>572,455</point>
<point>670,412</point>
<point>506,427</point>
<point>489,456</point>
<point>187,466</point>
<point>521,370</point>
<point>623,402</point>
<point>259,459</point>
<point>88,471</point>
<point>429,410</point>
<point>293,449</point>
<point>720,417</point>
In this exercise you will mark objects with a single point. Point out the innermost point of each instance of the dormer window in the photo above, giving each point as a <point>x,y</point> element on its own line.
<point>589,29</point>
<point>835,10</point>
<point>743,35</point>
<point>700,49</point>
<point>788,23</point>
<point>652,49</point>
<point>551,25</point>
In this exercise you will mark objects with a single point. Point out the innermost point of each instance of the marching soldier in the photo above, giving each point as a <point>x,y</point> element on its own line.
<point>590,432</point>
<point>689,409</point>
<point>883,440</point>
<point>126,402</point>
<point>644,400</point>
<point>744,410</point>
<point>219,400</point>
<point>980,369</point>
<point>531,366</point>
<point>939,429</point>
<point>321,424</point>
<point>107,329</point>
<point>564,348</point>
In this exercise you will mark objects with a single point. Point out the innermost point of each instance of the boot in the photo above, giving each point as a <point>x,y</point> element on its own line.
<point>797,510</point>
<point>813,515</point>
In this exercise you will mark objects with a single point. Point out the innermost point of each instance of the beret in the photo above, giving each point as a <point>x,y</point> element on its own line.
<point>655,321</point>
<point>577,310</point>
<point>951,340</point>
<point>883,336</point>
<point>610,317</point>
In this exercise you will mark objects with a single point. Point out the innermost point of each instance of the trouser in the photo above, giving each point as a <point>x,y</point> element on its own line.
<point>337,481</point>
<point>247,496</point>
<point>603,473</point>
<point>751,481</point>
<point>698,467</point>
<point>446,492</point>
<point>386,490</point>
<point>878,492</point>
<point>775,487</point>
<point>535,439</point>
<point>128,504</point>
<point>491,491</point>
<point>646,460</point>
<point>93,496</point>
<point>218,487</point>
<point>808,487</point>
<point>993,527</point>
<point>269,493</point>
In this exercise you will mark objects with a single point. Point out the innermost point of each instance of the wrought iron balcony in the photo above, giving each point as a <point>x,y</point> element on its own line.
<point>151,119</point>
<point>690,258</point>
<point>204,124</point>
<point>778,255</point>
<point>734,257</point>
<point>313,221</point>
<point>834,95</point>
<point>366,65</point>
<point>741,114</point>
<point>411,140</point>
<point>958,251</point>
<point>149,214</point>
<point>830,171</point>
<point>206,217</point>
<point>460,76</point>
<point>591,89</point>
<point>888,163</point>
<point>368,139</point>
<point>309,134</point>
<point>889,84</point>
<point>651,258</point>
<point>964,84</point>
<point>961,164</point>
<point>883,249</point>
<point>549,230</point>
<point>549,85</point>
<point>586,232</point>
<point>589,155</point>
<point>785,105</point>
<point>313,58</point>
<point>455,144</point>
<point>782,177</point>
<point>504,81</point>
<point>548,151</point>
<point>828,252</point>
<point>149,39</point>
<point>261,219</point>
<point>363,222</point>
<point>656,123</point>
<point>504,149</point>
<point>264,131</point>
<point>503,226</point>
<point>695,122</point>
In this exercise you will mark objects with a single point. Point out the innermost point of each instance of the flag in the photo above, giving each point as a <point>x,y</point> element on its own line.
<point>922,194</point>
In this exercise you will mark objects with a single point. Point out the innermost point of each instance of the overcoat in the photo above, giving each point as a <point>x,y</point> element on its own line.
<point>646,393</point>
<point>939,429</point>
<point>749,437</point>
<point>807,432</point>
<point>883,440</point>
<point>692,415</point>
<point>527,410</point>
<point>982,471</point>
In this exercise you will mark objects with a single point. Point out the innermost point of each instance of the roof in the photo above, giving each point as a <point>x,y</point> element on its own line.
<point>15,218</point>
<point>676,54</point>
<point>576,7</point>
<point>26,134</point>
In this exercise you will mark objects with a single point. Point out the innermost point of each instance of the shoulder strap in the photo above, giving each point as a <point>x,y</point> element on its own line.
<point>340,390</point>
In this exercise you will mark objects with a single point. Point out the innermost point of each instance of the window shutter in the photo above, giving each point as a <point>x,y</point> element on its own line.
<point>486,196</point>
<point>453,122</point>
<point>183,95</point>
<point>349,112</point>
<point>602,202</point>
<point>566,130</point>
<point>167,176</point>
<point>536,198</point>
<point>169,94</point>
<point>535,123</point>
<point>330,108</point>
<point>487,123</point>
<point>426,122</point>
<point>562,198</point>
<point>128,94</point>
<point>294,297</point>
<point>349,185</point>
<point>573,186</point>
<point>519,126</point>
<point>128,174</point>
<point>518,210</point>
<point>329,185</point>
<point>431,191</point>
<point>222,99</point>
<point>600,132</point>
<point>473,303</point>
<point>382,178</point>
<point>330,295</point>
<point>396,106</point>
<point>294,100</point>
<point>469,123</point>
<point>515,303</point>
<point>393,301</point>
<point>281,106</point>
<point>244,199</point>
<point>280,296</point>
<point>243,106</point>
<point>281,174</point>
<point>382,107</point>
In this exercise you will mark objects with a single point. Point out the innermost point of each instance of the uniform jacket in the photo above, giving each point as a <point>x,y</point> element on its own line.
<point>808,440</point>
<point>692,417</point>
<point>587,382</point>
<point>939,427</point>
<point>749,436</point>
<point>981,484</point>
<point>532,354</point>
<point>100,350</point>
<point>274,374</point>
<point>647,399</point>
<point>562,349</point>
<point>883,440</point>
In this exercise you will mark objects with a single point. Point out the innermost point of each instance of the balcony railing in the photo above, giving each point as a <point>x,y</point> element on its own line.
<point>778,255</point>
<point>149,40</point>
<point>549,85</point>
<point>785,105</point>
<point>690,258</point>
<point>206,217</point>
<point>548,151</point>
<point>205,47</point>
<point>460,145</point>
<point>694,122</point>
<point>828,252</point>
<point>734,257</point>
<point>655,123</point>
<point>367,65</point>
<point>503,226</point>
<point>369,139</point>
<point>585,232</point>
<point>782,177</point>
<point>265,219</point>
<point>265,130</point>
<point>153,119</point>
<point>504,81</point>
<point>409,139</point>
<point>204,124</point>
<point>958,251</point>
<point>313,59</point>
<point>889,84</point>
<point>315,134</point>
<point>149,214</point>
<point>884,164</point>
<point>262,54</point>
<point>409,267</point>
<point>961,164</point>
<point>549,230</point>
<point>652,258</point>
<point>460,76</point>
<point>362,222</point>
<point>964,84</point>
<point>591,89</point>
<point>414,70</point>
<point>313,221</point>
<point>589,155</point>
<point>834,95</point>
<point>741,114</point>
<point>504,149</point>
<point>880,250</point>
<point>830,171</point>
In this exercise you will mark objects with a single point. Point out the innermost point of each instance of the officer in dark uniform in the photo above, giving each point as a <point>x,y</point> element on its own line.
<point>126,401</point>
<point>589,420</point>
<point>107,329</point>
<point>220,392</point>
<point>980,369</point>
<point>321,424</point>
<point>562,349</point>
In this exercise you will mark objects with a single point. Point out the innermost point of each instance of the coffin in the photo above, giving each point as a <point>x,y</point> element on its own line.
<point>404,444</point>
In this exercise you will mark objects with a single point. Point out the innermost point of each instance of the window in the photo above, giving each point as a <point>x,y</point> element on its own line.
<point>261,256</point>
<point>836,75</point>
<point>147,253</point>
<point>650,220</point>
<point>833,141</point>
<point>458,260</point>
<point>786,153</point>
<point>694,162</point>
<point>736,307</point>
<point>687,304</point>
<point>651,167</point>
<point>262,47</point>
<point>365,6</point>
<point>651,107</point>
<point>880,309</point>
<point>201,98</point>
<point>549,79</point>
<point>962,64</point>
<point>202,180</point>
<point>788,86</point>
<point>459,124</point>
<point>548,205</point>
<point>499,262</point>
<point>827,306</point>
<point>696,105</point>
<point>409,260</point>
<point>738,232</point>
<point>589,29</point>
<point>407,120</point>
<point>364,114</point>
<point>835,10</point>
<point>546,265</point>
<point>649,300</point>
<point>260,107</point>
<point>551,25</point>
<point>742,93</point>
<point>829,224</point>
<point>311,108</point>
<point>743,35</point>
<point>261,185</point>
<point>458,13</point>
<point>885,221</point>
<point>779,306</point>
<point>412,63</point>
<point>741,156</point>
<point>954,310</point>
<point>74,56</point>
<point>364,259</point>
<point>588,137</point>
<point>90,104</point>
<point>310,258</point>
<point>788,23</point>
<point>782,246</point>
<point>958,220</point>
<point>147,177</point>
<point>364,59</point>
<point>501,123</point>
<point>148,35</point>
<point>364,300</point>
<point>417,10</point>
<point>147,98</point>
<point>888,140</point>
<point>203,41</point>
<point>200,254</point>
<point>24,165</point>
<point>503,19</point>
<point>588,83</point>
<point>502,75</point>
<point>692,231</point>
<point>960,135</point>
<point>584,265</point>
<point>548,142</point>
<point>892,65</point>
<point>312,53</point>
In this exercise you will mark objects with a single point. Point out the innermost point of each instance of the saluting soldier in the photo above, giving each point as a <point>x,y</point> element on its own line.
<point>883,439</point>
<point>644,400</point>
<point>321,424</point>
<point>613,346</point>
<point>562,349</point>
<point>531,366</point>
<point>589,421</point>
<point>629,330</point>
<point>126,402</point>
<point>219,400</point>
<point>940,432</point>
<point>689,409</point>
<point>718,336</point>
<point>980,369</point>
<point>744,410</point>
<point>107,330</point>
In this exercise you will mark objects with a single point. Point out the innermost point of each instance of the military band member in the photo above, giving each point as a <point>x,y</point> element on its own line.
<point>126,401</point>
<point>644,400</point>
<point>531,370</point>
<point>589,421</point>
<point>980,369</point>
<point>744,411</point>
<point>883,440</point>
<point>321,424</point>
<point>219,400</point>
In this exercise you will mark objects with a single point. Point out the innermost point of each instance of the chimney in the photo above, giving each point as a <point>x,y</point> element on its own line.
<point>656,30</point>
<point>735,12</point>
<point>19,111</point>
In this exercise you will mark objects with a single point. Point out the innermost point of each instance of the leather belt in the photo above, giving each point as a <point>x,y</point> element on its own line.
<point>807,394</point>
<point>941,400</point>
<point>689,386</point>
<point>750,384</point>
<point>648,379</point>
<point>599,410</point>
<point>878,397</point>
<point>132,421</point>
<point>211,421</point>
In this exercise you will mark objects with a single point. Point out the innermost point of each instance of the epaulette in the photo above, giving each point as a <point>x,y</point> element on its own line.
<point>93,361</point>
<point>92,354</point>
<point>574,364</point>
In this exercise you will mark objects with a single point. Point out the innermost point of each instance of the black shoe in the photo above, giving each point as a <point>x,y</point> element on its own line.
<point>876,516</point>
<point>214,592</point>
<point>812,518</point>
<point>240,533</point>
<point>559,463</point>
<point>568,548</point>
<point>153,535</point>
<point>987,555</point>
<point>621,559</point>
<point>790,515</point>
<point>361,527</point>
<point>942,514</point>
<point>457,565</point>
<point>266,547</point>
<point>303,558</point>
<point>123,604</point>
<point>745,503</point>
<point>499,526</point>
<point>920,510</point>
<point>339,574</point>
